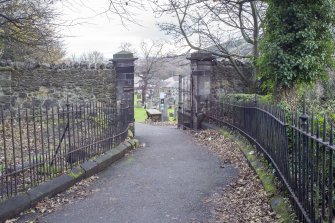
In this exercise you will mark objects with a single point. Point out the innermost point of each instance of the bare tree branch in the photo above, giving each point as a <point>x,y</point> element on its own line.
<point>148,66</point>
<point>221,27</point>
<point>28,30</point>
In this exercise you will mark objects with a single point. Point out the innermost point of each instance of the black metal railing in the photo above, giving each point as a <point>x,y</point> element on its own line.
<point>38,144</point>
<point>300,150</point>
<point>184,118</point>
<point>185,102</point>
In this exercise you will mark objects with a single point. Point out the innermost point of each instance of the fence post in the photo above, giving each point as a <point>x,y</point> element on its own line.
<point>202,69</point>
<point>68,127</point>
<point>123,62</point>
<point>304,116</point>
<point>180,101</point>
<point>255,118</point>
<point>304,122</point>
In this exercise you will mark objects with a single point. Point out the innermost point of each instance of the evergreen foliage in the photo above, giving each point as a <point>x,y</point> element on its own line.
<point>298,44</point>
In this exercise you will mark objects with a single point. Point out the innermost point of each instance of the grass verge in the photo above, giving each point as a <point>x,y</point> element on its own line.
<point>140,114</point>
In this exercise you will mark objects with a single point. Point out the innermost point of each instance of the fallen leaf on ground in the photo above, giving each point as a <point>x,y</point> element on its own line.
<point>243,200</point>
<point>78,191</point>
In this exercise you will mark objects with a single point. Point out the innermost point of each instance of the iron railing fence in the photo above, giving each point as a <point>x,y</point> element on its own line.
<point>39,144</point>
<point>185,102</point>
<point>299,147</point>
<point>184,118</point>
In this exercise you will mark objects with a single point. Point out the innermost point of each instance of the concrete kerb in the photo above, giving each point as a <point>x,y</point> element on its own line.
<point>13,206</point>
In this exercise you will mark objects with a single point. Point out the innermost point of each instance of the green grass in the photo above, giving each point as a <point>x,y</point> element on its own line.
<point>170,110</point>
<point>140,114</point>
<point>76,175</point>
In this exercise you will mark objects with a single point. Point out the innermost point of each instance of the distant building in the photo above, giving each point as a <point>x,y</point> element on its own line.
<point>170,83</point>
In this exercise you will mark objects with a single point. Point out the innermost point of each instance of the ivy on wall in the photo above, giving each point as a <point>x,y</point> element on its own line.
<point>298,44</point>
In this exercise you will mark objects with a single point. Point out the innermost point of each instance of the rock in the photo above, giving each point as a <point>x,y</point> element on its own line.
<point>76,65</point>
<point>92,66</point>
<point>36,102</point>
<point>26,104</point>
<point>13,100</point>
<point>130,134</point>
<point>18,65</point>
<point>63,65</point>
<point>9,63</point>
<point>84,65</point>
<point>50,103</point>
<point>3,63</point>
<point>102,66</point>
<point>30,65</point>
<point>109,65</point>
<point>53,66</point>
<point>44,65</point>
<point>22,95</point>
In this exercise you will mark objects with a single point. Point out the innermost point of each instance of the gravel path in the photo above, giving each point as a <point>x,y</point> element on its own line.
<point>166,180</point>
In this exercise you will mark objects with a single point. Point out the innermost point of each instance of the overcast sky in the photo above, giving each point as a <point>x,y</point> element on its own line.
<point>103,33</point>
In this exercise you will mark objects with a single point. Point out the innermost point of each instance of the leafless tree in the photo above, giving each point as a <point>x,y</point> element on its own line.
<point>95,57</point>
<point>91,57</point>
<point>73,58</point>
<point>125,46</point>
<point>223,27</point>
<point>147,67</point>
<point>28,30</point>
<point>83,57</point>
<point>125,9</point>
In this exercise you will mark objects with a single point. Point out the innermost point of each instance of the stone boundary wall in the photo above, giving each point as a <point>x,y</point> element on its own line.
<point>226,80</point>
<point>27,84</point>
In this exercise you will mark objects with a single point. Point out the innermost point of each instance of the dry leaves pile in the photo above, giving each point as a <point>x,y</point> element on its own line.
<point>77,192</point>
<point>245,199</point>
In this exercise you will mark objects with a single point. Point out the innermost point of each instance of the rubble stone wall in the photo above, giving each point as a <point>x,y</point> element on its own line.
<point>48,86</point>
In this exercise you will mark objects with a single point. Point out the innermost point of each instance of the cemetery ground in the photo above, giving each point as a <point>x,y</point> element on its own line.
<point>175,176</point>
<point>141,115</point>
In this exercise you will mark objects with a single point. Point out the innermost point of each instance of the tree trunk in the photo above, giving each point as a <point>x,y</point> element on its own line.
<point>255,46</point>
<point>144,92</point>
<point>255,69</point>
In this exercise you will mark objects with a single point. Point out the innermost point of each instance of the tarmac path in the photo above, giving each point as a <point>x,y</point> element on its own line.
<point>166,180</point>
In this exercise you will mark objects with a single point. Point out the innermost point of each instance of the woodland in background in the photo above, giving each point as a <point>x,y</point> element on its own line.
<point>290,44</point>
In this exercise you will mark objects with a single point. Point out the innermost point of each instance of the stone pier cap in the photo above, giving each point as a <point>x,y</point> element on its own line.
<point>123,56</point>
<point>202,55</point>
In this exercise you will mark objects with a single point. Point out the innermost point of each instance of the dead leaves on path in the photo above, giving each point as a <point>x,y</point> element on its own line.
<point>77,192</point>
<point>245,199</point>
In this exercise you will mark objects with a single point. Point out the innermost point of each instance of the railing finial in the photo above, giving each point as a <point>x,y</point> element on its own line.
<point>255,98</point>
<point>304,116</point>
<point>304,104</point>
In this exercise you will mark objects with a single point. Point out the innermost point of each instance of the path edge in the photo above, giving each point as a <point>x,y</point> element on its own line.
<point>15,205</point>
<point>278,202</point>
